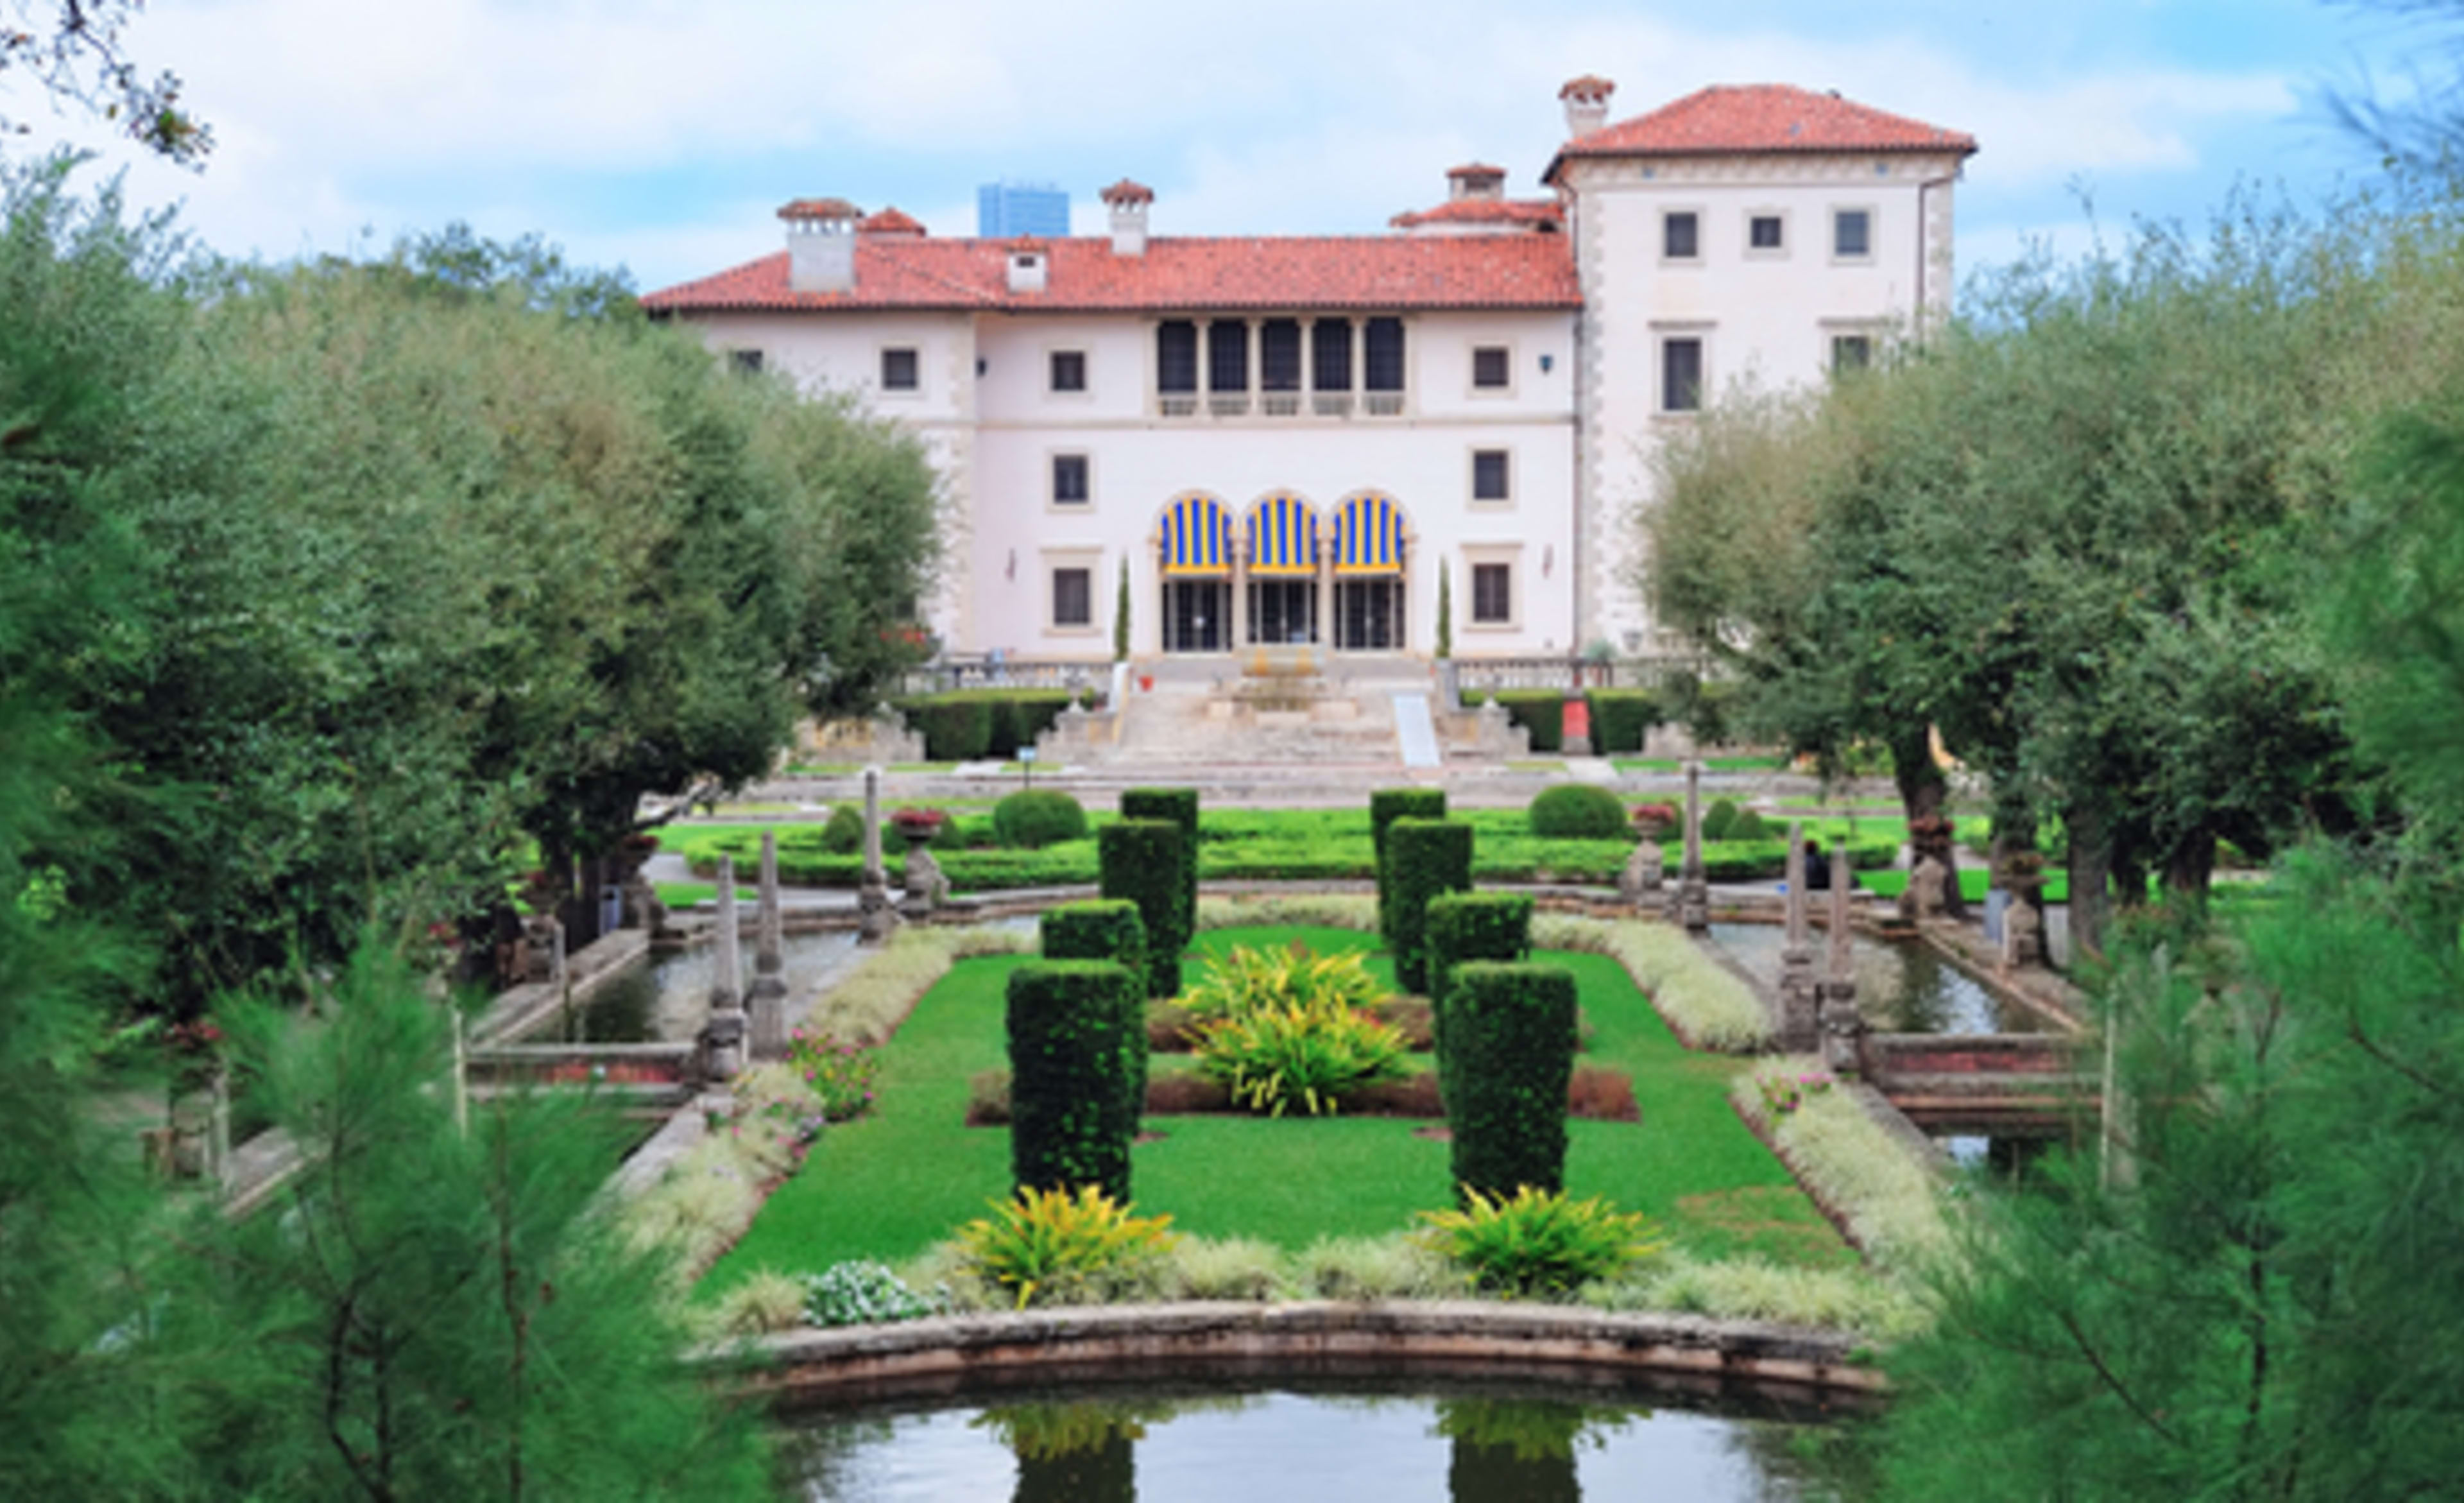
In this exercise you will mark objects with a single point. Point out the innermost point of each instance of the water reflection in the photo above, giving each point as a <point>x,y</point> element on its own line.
<point>667,999</point>
<point>1450,1442</point>
<point>1902,987</point>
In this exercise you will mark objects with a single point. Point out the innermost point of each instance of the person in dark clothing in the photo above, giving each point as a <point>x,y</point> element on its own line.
<point>1818,868</point>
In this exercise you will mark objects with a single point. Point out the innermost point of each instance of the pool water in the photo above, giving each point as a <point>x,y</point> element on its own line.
<point>667,1000</point>
<point>1289,1444</point>
<point>1903,985</point>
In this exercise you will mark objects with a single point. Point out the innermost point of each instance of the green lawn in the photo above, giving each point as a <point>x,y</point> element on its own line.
<point>891,1185</point>
<point>1764,762</point>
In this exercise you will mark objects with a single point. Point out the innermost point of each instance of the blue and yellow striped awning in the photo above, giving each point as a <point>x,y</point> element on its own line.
<point>1282,535</point>
<point>1369,534</point>
<point>1197,535</point>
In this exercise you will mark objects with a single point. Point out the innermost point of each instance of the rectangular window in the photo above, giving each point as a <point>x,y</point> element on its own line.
<point>1073,598</point>
<point>1069,371</point>
<point>1763,232</point>
<point>1681,375</point>
<point>898,371</point>
<point>1331,355</point>
<point>1489,367</point>
<point>1383,354</point>
<point>1852,233</point>
<point>744,361</point>
<point>1177,356</point>
<point>1488,475</point>
<point>1227,355</point>
<point>1681,235</point>
<point>1851,351</point>
<point>1279,355</point>
<point>1069,479</point>
<point>1492,594</point>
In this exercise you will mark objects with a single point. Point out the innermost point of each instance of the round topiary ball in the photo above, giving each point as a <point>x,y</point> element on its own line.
<point>1033,818</point>
<point>1717,819</point>
<point>1748,825</point>
<point>844,834</point>
<point>1578,811</point>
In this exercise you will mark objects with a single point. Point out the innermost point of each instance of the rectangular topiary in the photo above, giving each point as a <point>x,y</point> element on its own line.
<point>1424,859</point>
<point>1470,926</point>
<point>1621,717</point>
<point>1515,1026</point>
<point>1179,806</point>
<point>1104,929</point>
<point>1386,806</point>
<point>1146,862</point>
<point>954,728</point>
<point>1074,1027</point>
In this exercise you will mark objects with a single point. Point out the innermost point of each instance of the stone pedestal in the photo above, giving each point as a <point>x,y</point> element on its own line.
<point>722,1036</point>
<point>766,999</point>
<point>1800,996</point>
<point>542,949</point>
<point>875,919</point>
<point>1641,882</point>
<point>1843,1026</point>
<point>922,884</point>
<point>1693,888</point>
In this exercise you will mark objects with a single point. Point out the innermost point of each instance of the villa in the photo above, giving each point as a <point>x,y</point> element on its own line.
<point>1288,439</point>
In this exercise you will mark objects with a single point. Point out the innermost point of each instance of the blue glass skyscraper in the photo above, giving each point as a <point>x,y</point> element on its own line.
<point>1003,210</point>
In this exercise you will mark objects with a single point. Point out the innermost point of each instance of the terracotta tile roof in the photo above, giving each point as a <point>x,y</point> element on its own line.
<point>889,221</point>
<point>1761,118</point>
<point>1125,191</point>
<point>1530,214</point>
<point>1476,169</point>
<point>1192,275</point>
<point>1590,86</point>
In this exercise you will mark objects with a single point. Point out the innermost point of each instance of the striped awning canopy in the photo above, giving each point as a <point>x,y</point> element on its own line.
<point>1282,535</point>
<point>1197,535</point>
<point>1369,534</point>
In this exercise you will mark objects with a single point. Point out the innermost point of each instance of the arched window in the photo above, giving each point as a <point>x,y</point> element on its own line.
<point>1194,553</point>
<point>1369,534</point>
<point>1282,571</point>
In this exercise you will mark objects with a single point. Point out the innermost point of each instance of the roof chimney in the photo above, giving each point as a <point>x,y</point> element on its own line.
<point>892,222</point>
<point>1586,103</point>
<point>1030,262</point>
<point>1475,180</point>
<point>821,244</point>
<point>1128,201</point>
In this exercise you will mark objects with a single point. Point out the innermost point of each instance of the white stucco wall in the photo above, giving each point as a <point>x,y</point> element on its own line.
<point>1765,317</point>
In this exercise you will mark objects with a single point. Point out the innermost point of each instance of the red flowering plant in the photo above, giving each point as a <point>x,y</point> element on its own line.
<point>918,824</point>
<point>196,1054</point>
<point>841,1074</point>
<point>1651,821</point>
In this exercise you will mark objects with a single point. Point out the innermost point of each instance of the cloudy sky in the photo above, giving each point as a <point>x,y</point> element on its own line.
<point>661,135</point>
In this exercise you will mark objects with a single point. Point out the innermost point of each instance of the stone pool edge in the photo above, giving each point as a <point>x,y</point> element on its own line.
<point>941,1353</point>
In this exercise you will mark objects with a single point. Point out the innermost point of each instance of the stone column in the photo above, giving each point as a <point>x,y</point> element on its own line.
<point>1800,990</point>
<point>1693,890</point>
<point>1325,587</point>
<point>875,916</point>
<point>767,999</point>
<point>1239,624</point>
<point>723,1037</point>
<point>1843,1027</point>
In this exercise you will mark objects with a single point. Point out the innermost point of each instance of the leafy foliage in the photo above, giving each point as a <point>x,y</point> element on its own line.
<point>1470,926</point>
<point>1250,977</point>
<point>841,1075</point>
<point>1536,1242</point>
<point>1309,1053</point>
<point>1424,859</point>
<point>1043,1238</point>
<point>1077,1050</point>
<point>1145,862</point>
<point>860,1292</point>
<point>1033,818</point>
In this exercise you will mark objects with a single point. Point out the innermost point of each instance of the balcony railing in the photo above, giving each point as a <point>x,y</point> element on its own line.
<point>1234,404</point>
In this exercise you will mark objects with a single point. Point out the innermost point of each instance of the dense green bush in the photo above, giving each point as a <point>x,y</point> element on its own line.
<point>1717,819</point>
<point>1537,1243</point>
<point>1621,718</point>
<point>1515,1028</point>
<point>1424,859</point>
<point>1179,806</point>
<point>1577,811</point>
<point>1470,926</point>
<point>1103,929</point>
<point>1074,1027</point>
<point>1311,1052</point>
<point>1749,826</point>
<point>975,723</point>
<point>842,835</point>
<point>1540,711</point>
<point>1386,806</point>
<point>1033,818</point>
<point>1146,862</point>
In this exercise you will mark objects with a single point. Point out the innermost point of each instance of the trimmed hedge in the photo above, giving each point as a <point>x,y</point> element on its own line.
<point>1470,926</point>
<point>1718,818</point>
<point>1101,929</point>
<point>975,723</point>
<point>1386,806</point>
<point>1540,711</point>
<point>1578,811</point>
<point>1425,858</point>
<point>1146,862</point>
<point>1034,818</point>
<point>1515,1024</point>
<point>1621,718</point>
<point>1179,807</point>
<point>843,836</point>
<point>1074,1027</point>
